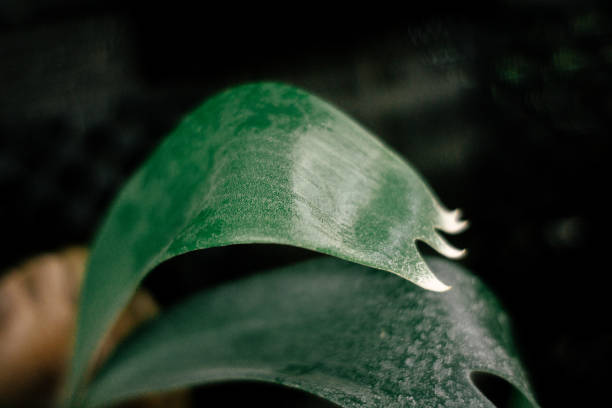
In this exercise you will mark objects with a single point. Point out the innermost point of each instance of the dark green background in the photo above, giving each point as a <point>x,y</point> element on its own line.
<point>505,111</point>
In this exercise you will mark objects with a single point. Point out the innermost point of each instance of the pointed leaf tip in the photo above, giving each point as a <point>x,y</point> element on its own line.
<point>435,285</point>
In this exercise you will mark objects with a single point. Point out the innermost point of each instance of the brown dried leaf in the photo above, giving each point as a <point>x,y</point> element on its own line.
<point>38,305</point>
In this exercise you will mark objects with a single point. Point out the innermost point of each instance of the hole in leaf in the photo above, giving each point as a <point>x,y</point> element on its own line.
<point>499,391</point>
<point>253,393</point>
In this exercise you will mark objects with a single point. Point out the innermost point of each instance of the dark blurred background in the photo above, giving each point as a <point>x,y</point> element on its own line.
<point>505,110</point>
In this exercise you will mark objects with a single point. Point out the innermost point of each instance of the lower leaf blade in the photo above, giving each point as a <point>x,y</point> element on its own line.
<point>337,330</point>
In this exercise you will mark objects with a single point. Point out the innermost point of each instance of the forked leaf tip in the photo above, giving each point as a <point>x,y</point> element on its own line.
<point>451,222</point>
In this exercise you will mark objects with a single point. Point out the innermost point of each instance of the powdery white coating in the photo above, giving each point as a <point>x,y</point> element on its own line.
<point>341,331</point>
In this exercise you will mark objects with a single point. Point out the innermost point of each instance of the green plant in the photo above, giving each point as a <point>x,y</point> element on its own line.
<point>267,163</point>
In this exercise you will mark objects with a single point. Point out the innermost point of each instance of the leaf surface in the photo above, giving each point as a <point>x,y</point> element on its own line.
<point>341,331</point>
<point>261,163</point>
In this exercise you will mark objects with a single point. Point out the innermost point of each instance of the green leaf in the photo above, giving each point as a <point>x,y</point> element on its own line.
<point>338,330</point>
<point>261,163</point>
